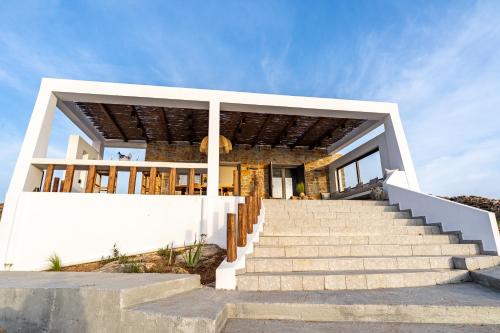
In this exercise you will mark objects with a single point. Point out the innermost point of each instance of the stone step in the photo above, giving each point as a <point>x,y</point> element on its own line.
<point>348,280</point>
<point>366,223</point>
<point>305,251</point>
<point>336,215</point>
<point>334,209</point>
<point>296,326</point>
<point>310,264</point>
<point>207,310</point>
<point>372,230</point>
<point>321,237</point>
<point>299,203</point>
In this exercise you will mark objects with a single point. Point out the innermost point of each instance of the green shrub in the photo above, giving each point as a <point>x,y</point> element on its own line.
<point>132,267</point>
<point>192,254</point>
<point>167,253</point>
<point>55,263</point>
<point>300,188</point>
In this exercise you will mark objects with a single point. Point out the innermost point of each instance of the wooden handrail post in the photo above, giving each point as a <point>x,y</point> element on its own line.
<point>152,180</point>
<point>68,178</point>
<point>89,184</point>
<point>132,179</point>
<point>236,183</point>
<point>231,237</point>
<point>172,179</point>
<point>191,182</point>
<point>242,225</point>
<point>48,178</point>
<point>55,186</point>
<point>112,179</point>
<point>249,211</point>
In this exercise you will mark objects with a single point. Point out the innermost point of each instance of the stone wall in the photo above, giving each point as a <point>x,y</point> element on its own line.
<point>254,161</point>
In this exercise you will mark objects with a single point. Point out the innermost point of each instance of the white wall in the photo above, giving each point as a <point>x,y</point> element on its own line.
<point>84,227</point>
<point>475,224</point>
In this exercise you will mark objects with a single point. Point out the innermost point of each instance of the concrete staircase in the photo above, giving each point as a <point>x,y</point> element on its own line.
<point>348,244</point>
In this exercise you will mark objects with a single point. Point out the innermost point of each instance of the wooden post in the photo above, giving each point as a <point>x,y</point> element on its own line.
<point>48,178</point>
<point>248,210</point>
<point>231,237</point>
<point>61,186</point>
<point>68,178</point>
<point>152,180</point>
<point>55,187</point>
<point>143,183</point>
<point>236,183</point>
<point>242,225</point>
<point>172,180</point>
<point>89,185</point>
<point>131,180</point>
<point>112,179</point>
<point>191,182</point>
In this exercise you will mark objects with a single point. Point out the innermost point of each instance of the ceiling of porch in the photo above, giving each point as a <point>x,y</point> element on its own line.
<point>176,125</point>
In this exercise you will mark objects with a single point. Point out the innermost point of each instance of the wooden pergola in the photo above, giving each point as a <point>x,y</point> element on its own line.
<point>175,125</point>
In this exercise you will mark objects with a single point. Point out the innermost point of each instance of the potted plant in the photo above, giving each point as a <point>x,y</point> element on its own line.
<point>300,188</point>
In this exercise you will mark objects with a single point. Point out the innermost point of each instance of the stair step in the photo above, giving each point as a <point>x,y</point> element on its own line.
<point>336,209</point>
<point>349,280</point>
<point>305,264</point>
<point>298,203</point>
<point>303,251</point>
<point>342,215</point>
<point>373,230</point>
<point>332,222</point>
<point>320,237</point>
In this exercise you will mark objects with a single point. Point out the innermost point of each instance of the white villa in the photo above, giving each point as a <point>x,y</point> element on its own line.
<point>206,153</point>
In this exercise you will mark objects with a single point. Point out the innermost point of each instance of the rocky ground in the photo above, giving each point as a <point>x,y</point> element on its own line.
<point>158,262</point>
<point>492,205</point>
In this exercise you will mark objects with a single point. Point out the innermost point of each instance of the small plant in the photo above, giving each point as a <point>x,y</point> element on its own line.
<point>167,253</point>
<point>300,188</point>
<point>192,255</point>
<point>116,255</point>
<point>132,267</point>
<point>55,263</point>
<point>115,252</point>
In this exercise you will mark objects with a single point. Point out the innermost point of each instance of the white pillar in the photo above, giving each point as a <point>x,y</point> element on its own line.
<point>26,177</point>
<point>213,149</point>
<point>397,149</point>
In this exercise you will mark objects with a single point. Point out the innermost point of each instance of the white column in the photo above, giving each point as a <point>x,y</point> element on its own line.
<point>397,149</point>
<point>213,149</point>
<point>26,177</point>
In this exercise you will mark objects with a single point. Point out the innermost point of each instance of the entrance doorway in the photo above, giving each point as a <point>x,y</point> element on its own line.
<point>284,180</point>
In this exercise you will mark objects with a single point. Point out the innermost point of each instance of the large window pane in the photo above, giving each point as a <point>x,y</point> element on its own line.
<point>347,176</point>
<point>370,167</point>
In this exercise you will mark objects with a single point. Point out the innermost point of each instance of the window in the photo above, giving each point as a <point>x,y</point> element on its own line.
<point>363,170</point>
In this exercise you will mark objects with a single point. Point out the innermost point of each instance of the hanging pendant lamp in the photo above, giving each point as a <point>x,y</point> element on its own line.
<point>225,145</point>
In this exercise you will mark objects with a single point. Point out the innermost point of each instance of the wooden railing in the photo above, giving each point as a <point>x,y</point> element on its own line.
<point>97,169</point>
<point>248,215</point>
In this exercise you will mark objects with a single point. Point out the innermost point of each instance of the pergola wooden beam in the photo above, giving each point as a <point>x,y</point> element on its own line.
<point>136,112</point>
<point>165,121</point>
<point>327,134</point>
<point>113,120</point>
<point>284,131</point>
<point>237,128</point>
<point>304,134</point>
<point>261,130</point>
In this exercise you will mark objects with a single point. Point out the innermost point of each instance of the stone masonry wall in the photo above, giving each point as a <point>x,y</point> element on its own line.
<point>254,161</point>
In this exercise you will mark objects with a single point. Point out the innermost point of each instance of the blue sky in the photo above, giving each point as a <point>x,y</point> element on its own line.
<point>440,60</point>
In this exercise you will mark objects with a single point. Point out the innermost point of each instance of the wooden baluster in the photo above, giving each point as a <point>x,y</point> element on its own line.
<point>172,180</point>
<point>55,186</point>
<point>48,178</point>
<point>131,180</point>
<point>90,183</point>
<point>231,237</point>
<point>61,187</point>
<point>143,183</point>
<point>242,224</point>
<point>112,179</point>
<point>248,204</point>
<point>236,183</point>
<point>191,182</point>
<point>68,178</point>
<point>152,180</point>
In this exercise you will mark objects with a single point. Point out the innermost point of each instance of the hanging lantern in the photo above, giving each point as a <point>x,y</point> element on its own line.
<point>225,145</point>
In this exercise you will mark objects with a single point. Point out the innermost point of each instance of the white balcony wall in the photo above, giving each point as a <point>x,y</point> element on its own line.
<point>82,227</point>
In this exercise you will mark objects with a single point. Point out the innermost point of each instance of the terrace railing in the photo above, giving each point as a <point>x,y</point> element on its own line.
<point>96,170</point>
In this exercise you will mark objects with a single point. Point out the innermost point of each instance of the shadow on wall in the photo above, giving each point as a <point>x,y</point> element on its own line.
<point>41,310</point>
